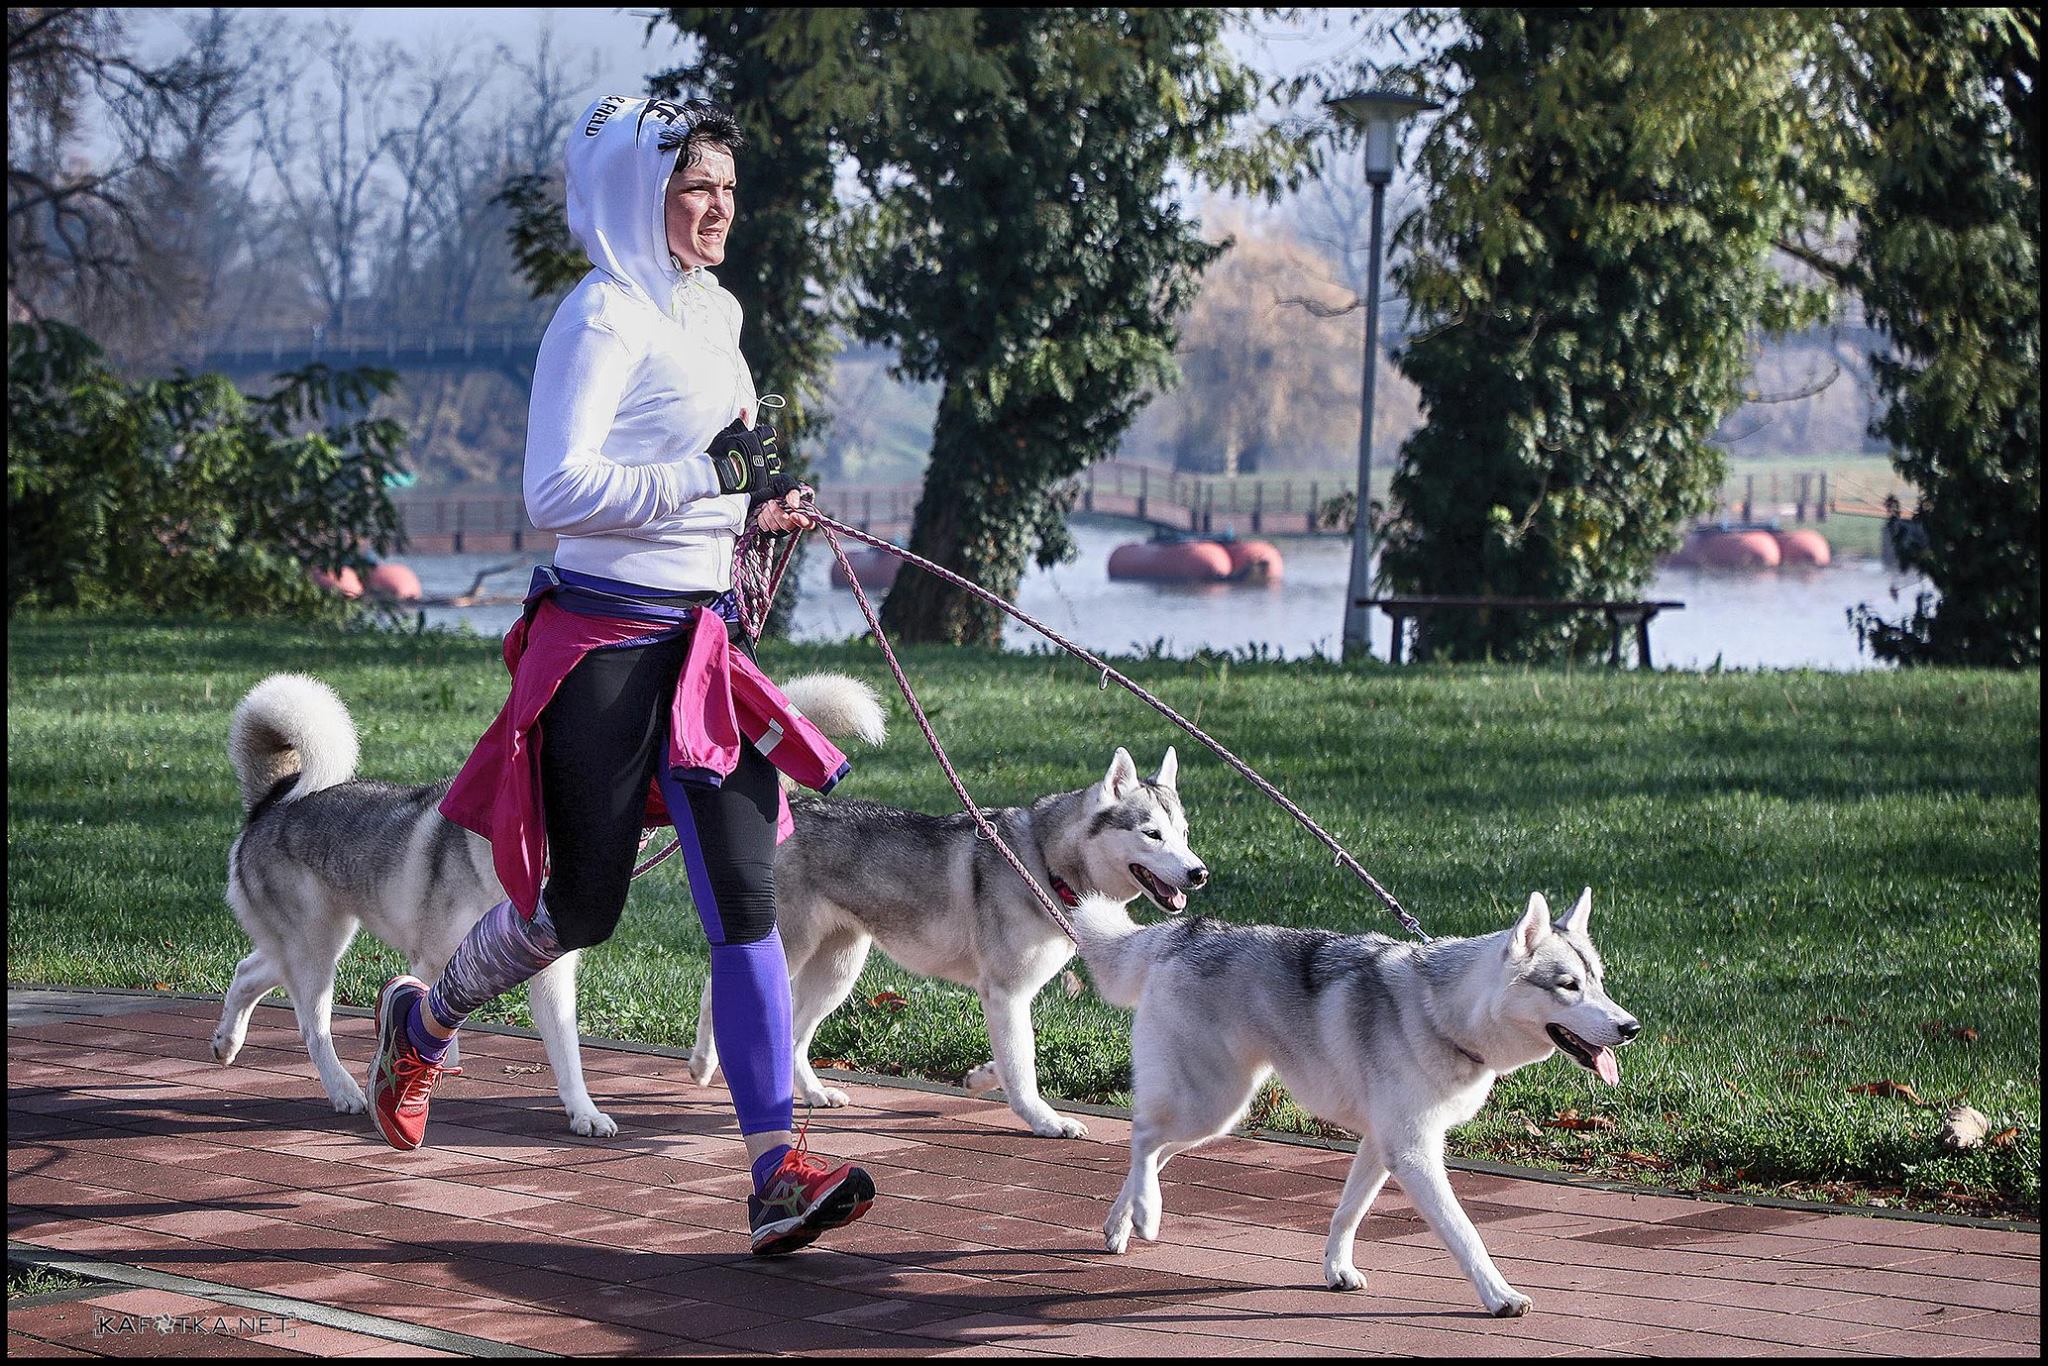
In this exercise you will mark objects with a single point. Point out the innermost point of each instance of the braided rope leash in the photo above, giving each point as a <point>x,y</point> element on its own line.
<point>986,830</point>
<point>1343,857</point>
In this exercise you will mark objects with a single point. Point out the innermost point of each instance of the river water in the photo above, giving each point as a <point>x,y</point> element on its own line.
<point>1770,619</point>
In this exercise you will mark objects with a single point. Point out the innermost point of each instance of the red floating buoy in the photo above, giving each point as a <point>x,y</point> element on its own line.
<point>1804,547</point>
<point>394,581</point>
<point>1171,562</point>
<point>1255,561</point>
<point>345,583</point>
<point>1728,548</point>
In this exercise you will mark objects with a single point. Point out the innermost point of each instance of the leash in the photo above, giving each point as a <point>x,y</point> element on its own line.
<point>829,527</point>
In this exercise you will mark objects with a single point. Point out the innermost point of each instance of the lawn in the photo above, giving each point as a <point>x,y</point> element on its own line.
<point>1803,883</point>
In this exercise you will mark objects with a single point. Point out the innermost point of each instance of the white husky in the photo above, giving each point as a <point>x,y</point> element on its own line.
<point>1397,1042</point>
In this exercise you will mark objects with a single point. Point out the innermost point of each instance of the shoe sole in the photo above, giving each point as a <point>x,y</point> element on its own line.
<point>396,1140</point>
<point>837,1208</point>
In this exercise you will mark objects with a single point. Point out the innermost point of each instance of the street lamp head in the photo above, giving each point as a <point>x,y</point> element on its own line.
<point>1381,113</point>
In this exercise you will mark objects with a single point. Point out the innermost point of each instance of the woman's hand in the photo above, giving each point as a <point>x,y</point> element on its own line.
<point>787,515</point>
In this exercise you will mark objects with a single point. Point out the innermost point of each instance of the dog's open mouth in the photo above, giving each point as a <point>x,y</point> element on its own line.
<point>1169,899</point>
<point>1594,1058</point>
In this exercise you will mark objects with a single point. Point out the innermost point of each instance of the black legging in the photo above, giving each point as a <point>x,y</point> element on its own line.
<point>603,739</point>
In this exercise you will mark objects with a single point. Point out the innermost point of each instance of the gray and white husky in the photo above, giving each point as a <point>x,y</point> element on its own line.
<point>1397,1042</point>
<point>942,902</point>
<point>323,852</point>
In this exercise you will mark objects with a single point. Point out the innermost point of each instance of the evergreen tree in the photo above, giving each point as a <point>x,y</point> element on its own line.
<point>1948,262</point>
<point>1028,252</point>
<point>1604,191</point>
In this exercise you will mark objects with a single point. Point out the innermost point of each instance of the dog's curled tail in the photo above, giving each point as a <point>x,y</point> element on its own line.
<point>1109,946</point>
<point>841,707</point>
<point>290,724</point>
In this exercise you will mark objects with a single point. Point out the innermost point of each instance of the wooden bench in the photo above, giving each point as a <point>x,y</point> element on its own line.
<point>1619,616</point>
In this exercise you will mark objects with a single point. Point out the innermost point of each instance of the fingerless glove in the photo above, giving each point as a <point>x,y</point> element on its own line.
<point>745,459</point>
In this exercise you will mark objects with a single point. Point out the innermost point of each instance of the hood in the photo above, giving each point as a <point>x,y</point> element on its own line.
<point>617,171</point>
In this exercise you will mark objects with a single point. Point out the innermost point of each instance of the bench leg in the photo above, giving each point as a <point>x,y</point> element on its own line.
<point>1643,640</point>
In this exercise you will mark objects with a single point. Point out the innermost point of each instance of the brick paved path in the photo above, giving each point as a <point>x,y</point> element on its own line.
<point>234,1202</point>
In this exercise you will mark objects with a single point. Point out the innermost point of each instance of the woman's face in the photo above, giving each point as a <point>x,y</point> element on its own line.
<point>699,207</point>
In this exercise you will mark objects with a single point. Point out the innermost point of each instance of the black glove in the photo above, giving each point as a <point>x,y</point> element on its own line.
<point>749,461</point>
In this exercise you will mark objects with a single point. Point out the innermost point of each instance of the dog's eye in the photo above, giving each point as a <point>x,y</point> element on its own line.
<point>1568,984</point>
<point>1150,834</point>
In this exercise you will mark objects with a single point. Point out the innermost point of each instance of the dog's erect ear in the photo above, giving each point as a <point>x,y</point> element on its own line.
<point>1574,921</point>
<point>1122,776</point>
<point>1169,769</point>
<point>1531,929</point>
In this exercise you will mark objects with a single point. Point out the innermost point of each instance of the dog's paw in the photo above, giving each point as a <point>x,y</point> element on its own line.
<point>1343,1276</point>
<point>594,1124</point>
<point>982,1079</point>
<point>351,1101</point>
<point>1512,1306</point>
<point>1059,1126</point>
<point>700,1072</point>
<point>828,1097</point>
<point>1116,1235</point>
<point>225,1047</point>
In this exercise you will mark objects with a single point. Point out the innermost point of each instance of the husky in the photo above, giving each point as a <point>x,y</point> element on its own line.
<point>323,852</point>
<point>1396,1042</point>
<point>942,902</point>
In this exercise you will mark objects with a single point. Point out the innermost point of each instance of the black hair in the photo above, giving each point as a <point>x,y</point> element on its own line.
<point>702,122</point>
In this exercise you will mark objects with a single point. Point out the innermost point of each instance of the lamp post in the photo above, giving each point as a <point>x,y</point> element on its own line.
<point>1381,113</point>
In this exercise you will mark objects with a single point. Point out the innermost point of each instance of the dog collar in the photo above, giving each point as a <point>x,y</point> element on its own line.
<point>1065,893</point>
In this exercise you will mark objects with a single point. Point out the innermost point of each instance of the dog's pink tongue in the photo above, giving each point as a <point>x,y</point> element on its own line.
<point>1605,1063</point>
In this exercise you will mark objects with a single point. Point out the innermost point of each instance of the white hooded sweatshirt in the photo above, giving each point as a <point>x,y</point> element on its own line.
<point>638,371</point>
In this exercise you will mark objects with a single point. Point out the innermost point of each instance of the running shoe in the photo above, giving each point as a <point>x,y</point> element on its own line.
<point>400,1079</point>
<point>804,1198</point>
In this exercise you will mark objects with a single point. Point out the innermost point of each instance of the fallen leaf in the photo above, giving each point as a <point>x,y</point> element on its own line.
<point>1963,1129</point>
<point>1572,1119</point>
<point>1888,1090</point>
<point>1071,983</point>
<point>522,1069</point>
<point>2004,1138</point>
<point>887,1000</point>
<point>841,1063</point>
<point>163,986</point>
<point>1662,1164</point>
<point>1963,1035</point>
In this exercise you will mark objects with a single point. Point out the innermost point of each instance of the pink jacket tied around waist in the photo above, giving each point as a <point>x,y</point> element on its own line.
<point>721,698</point>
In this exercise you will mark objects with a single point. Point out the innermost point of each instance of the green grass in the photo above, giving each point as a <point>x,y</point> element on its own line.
<point>25,1281</point>
<point>1803,882</point>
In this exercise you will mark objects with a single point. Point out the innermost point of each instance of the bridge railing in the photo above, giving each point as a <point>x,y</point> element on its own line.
<point>369,347</point>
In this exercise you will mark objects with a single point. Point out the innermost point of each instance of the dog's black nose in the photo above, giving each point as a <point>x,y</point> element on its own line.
<point>1198,877</point>
<point>1629,1029</point>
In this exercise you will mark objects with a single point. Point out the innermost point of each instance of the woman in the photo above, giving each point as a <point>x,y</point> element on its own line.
<point>641,457</point>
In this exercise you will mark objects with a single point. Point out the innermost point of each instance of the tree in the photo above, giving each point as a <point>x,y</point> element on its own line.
<point>1025,250</point>
<point>1948,262</point>
<point>1604,192</point>
<point>79,225</point>
<point>1269,354</point>
<point>183,494</point>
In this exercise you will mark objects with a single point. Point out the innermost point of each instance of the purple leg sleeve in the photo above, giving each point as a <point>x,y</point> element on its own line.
<point>502,950</point>
<point>750,1020</point>
<point>750,1015</point>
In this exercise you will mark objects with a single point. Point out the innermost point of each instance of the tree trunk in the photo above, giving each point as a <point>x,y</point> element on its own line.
<point>974,518</point>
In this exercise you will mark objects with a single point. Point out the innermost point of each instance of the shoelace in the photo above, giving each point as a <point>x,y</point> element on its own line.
<point>416,1077</point>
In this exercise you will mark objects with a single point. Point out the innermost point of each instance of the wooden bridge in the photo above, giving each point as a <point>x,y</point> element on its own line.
<point>1165,499</point>
<point>492,523</point>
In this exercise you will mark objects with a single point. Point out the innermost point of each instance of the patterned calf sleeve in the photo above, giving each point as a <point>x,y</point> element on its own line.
<point>502,950</point>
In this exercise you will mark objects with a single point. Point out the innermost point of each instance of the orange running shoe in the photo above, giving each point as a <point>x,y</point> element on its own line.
<point>804,1198</point>
<point>400,1079</point>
